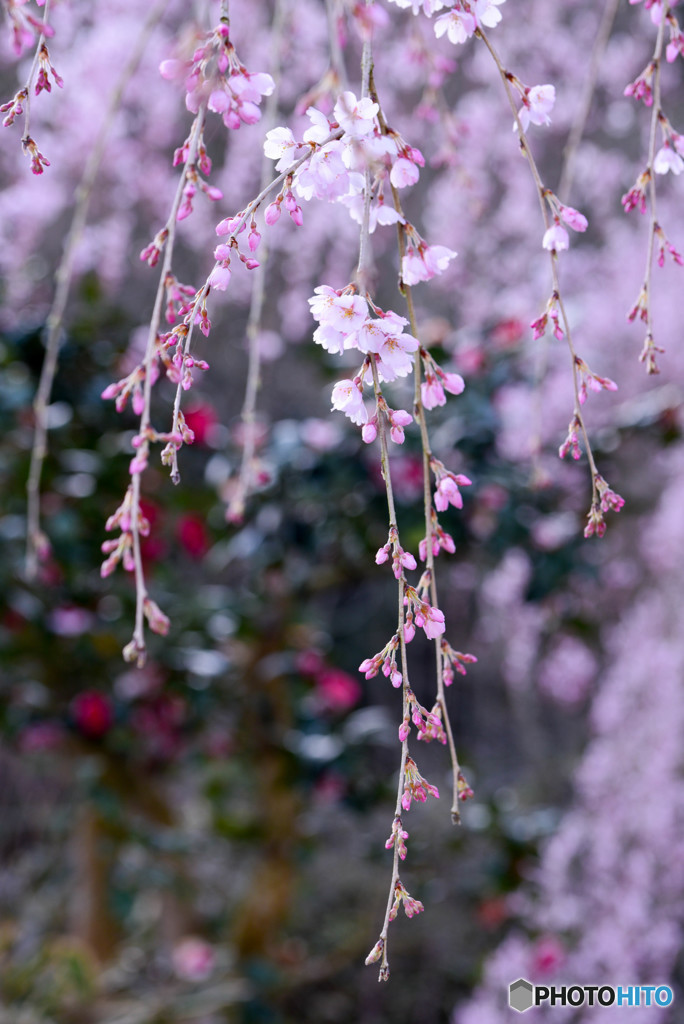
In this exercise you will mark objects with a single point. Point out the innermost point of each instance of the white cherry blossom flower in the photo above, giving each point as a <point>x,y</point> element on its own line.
<point>356,117</point>
<point>666,159</point>
<point>458,25</point>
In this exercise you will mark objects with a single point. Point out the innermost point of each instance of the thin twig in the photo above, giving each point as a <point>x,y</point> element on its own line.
<point>32,72</point>
<point>203,292</point>
<point>35,540</point>
<point>419,411</point>
<point>150,355</point>
<point>553,256</point>
<point>236,507</point>
<point>579,124</point>
<point>649,349</point>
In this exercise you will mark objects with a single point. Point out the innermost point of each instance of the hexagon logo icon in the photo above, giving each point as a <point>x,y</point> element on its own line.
<point>520,995</point>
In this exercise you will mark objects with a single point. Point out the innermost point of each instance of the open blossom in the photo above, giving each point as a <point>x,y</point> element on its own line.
<point>448,492</point>
<point>356,117</point>
<point>432,388</point>
<point>537,105</point>
<point>384,336</point>
<point>348,398</point>
<point>556,237</point>
<point>423,262</point>
<point>404,172</point>
<point>326,176</point>
<point>280,144</point>
<point>666,159</point>
<point>343,312</point>
<point>486,12</point>
<point>428,6</point>
<point>458,26</point>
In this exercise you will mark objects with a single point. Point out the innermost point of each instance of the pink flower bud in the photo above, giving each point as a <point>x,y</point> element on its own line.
<point>382,555</point>
<point>272,213</point>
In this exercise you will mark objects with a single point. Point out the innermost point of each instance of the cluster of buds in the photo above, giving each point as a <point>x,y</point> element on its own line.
<point>607,501</point>
<point>571,443</point>
<point>448,484</point>
<point>398,837</point>
<point>636,197</point>
<point>464,790</point>
<point>178,298</point>
<point>552,313</point>
<point>591,381</point>
<point>421,613</point>
<point>121,550</point>
<point>454,661</point>
<point>428,723</point>
<point>45,70</point>
<point>214,75</point>
<point>437,381</point>
<point>663,247</point>
<point>400,559</point>
<point>151,253</point>
<point>439,539</point>
<point>131,386</point>
<point>397,419</point>
<point>13,108</point>
<point>415,786</point>
<point>193,182</point>
<point>641,88</point>
<point>386,660</point>
<point>38,161</point>
<point>411,906</point>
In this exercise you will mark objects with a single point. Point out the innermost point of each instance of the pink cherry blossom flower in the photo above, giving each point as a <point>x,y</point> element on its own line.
<point>347,396</point>
<point>424,262</point>
<point>404,172</point>
<point>448,492</point>
<point>537,105</point>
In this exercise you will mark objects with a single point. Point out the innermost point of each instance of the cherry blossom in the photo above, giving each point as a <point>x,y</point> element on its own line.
<point>347,396</point>
<point>537,105</point>
<point>458,25</point>
<point>667,159</point>
<point>423,262</point>
<point>428,6</point>
<point>355,117</point>
<point>556,237</point>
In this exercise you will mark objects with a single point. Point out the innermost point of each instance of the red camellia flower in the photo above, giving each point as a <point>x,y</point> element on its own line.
<point>193,535</point>
<point>200,419</point>
<point>93,713</point>
<point>337,690</point>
